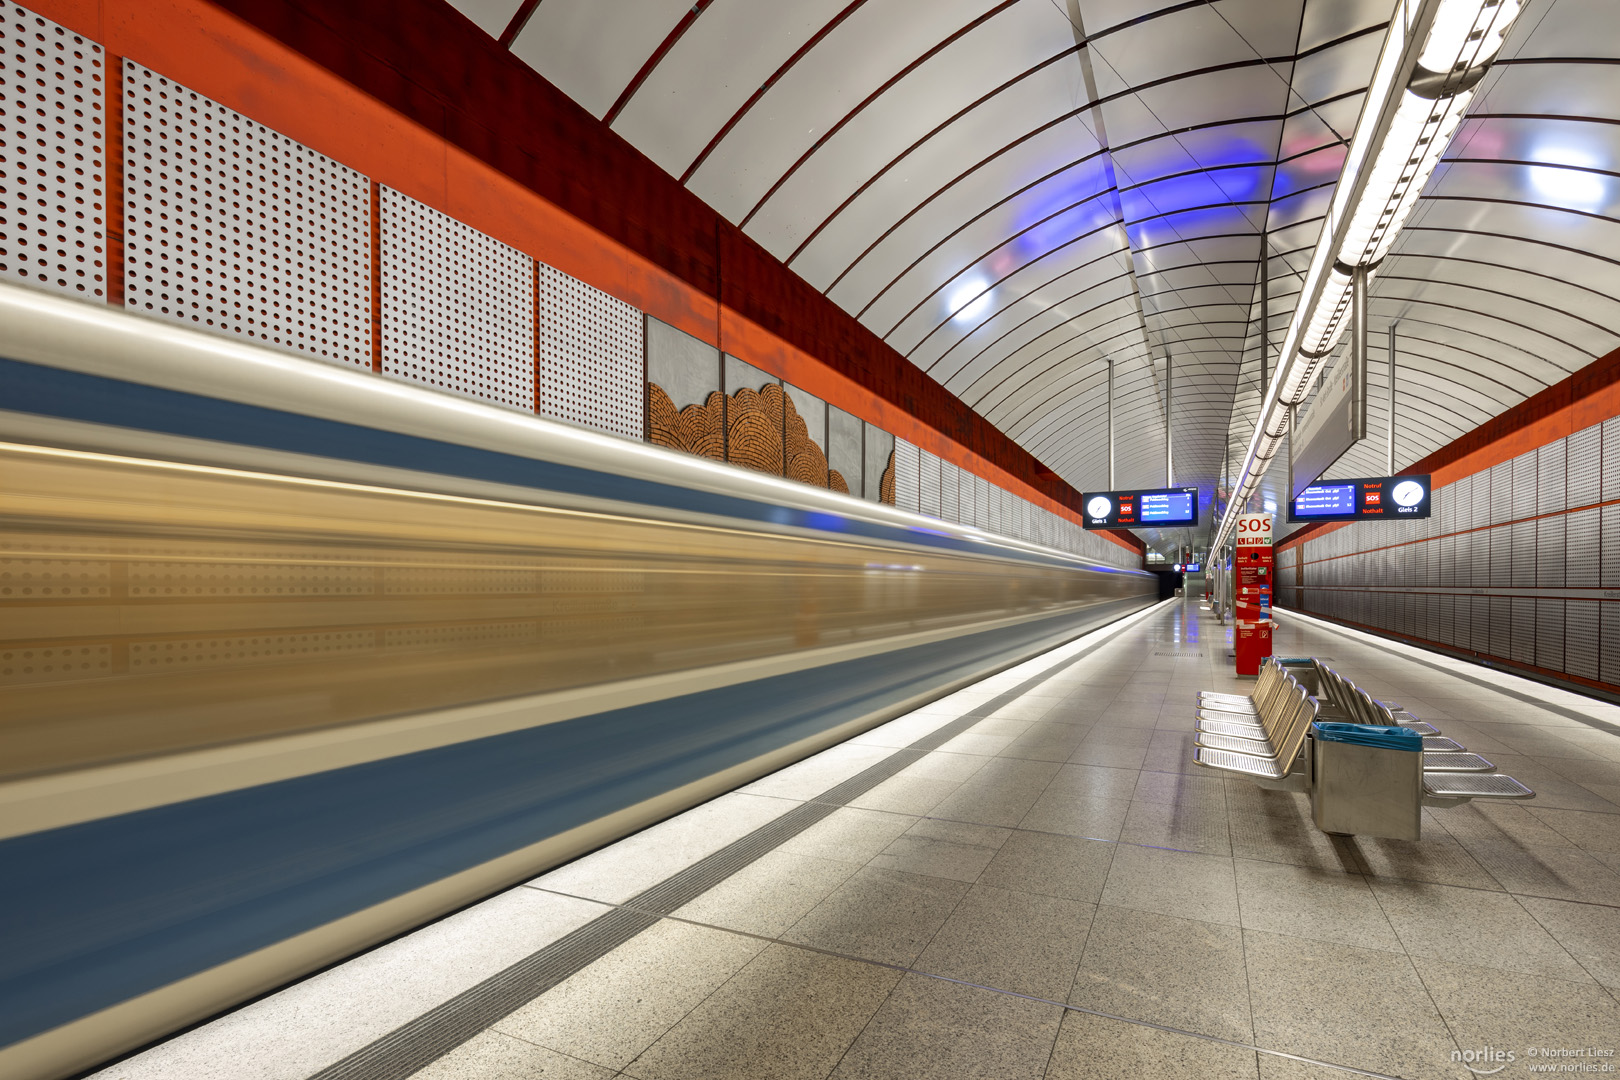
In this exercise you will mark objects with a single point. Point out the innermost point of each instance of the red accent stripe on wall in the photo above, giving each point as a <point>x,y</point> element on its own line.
<point>1589,396</point>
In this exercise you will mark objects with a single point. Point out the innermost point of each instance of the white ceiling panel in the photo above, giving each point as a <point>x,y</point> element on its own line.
<point>590,50</point>
<point>1032,102</point>
<point>1271,27</point>
<point>1011,275</point>
<point>1143,53</point>
<point>1001,49</point>
<point>1329,20</point>
<point>878,41</point>
<point>492,16</point>
<point>1331,72</point>
<point>957,271</point>
<point>999,198</point>
<point>712,71</point>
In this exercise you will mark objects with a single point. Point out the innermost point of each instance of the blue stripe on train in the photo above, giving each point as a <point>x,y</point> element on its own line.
<point>100,912</point>
<point>71,395</point>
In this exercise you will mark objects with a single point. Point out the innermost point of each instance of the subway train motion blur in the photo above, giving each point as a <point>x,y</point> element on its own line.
<point>298,657</point>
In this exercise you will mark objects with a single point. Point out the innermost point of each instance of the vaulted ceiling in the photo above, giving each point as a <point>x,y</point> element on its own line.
<point>1016,195</point>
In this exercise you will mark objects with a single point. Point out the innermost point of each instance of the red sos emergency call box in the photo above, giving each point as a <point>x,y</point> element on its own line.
<point>1252,568</point>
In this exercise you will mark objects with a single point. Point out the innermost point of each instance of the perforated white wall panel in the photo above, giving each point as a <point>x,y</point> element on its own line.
<point>907,475</point>
<point>52,155</point>
<point>590,355</point>
<point>457,306</point>
<point>232,226</point>
<point>929,481</point>
<point>949,485</point>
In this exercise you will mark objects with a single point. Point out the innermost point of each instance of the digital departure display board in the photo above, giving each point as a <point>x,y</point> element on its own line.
<point>1153,506</point>
<point>1360,500</point>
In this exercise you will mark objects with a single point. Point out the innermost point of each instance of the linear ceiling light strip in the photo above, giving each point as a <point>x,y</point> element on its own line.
<point>1434,56</point>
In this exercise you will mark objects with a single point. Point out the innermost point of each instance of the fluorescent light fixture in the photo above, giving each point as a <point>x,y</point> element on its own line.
<point>1464,37</point>
<point>1467,34</point>
<point>1435,54</point>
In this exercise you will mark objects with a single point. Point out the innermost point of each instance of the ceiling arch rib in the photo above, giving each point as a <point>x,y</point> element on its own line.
<point>1015,193</point>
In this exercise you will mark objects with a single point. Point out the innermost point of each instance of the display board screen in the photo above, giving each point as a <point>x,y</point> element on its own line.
<point>1152,506</point>
<point>1326,500</point>
<point>1161,507</point>
<point>1360,500</point>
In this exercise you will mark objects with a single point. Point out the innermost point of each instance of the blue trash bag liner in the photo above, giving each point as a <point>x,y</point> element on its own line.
<point>1384,738</point>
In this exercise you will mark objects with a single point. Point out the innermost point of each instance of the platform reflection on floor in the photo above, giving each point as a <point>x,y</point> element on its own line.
<point>1056,891</point>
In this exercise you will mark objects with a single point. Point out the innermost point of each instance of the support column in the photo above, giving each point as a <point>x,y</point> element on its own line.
<point>1265,313</point>
<point>1358,346</point>
<point>1110,425</point>
<point>1169,451</point>
<point>1293,414</point>
<point>1391,410</point>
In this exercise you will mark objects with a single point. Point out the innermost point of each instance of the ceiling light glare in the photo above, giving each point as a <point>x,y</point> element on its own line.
<point>1467,33</point>
<point>969,301</point>
<point>1564,180</point>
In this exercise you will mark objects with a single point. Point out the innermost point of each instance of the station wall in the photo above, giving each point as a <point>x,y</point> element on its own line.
<point>1518,564</point>
<point>138,190</point>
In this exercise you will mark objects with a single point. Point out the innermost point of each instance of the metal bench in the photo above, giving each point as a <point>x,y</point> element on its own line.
<point>1456,788</point>
<point>1360,707</point>
<point>1331,683</point>
<point>1286,715</point>
<point>1271,673</point>
<point>1451,775</point>
<point>1221,715</point>
<point>1262,736</point>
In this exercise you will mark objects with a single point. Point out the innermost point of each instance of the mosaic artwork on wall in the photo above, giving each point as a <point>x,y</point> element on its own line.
<point>757,429</point>
<point>697,429</point>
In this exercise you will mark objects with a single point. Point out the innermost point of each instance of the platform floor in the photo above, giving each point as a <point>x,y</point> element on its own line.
<point>1029,878</point>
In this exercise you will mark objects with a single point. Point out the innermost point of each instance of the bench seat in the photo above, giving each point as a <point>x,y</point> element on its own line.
<point>1267,768</point>
<point>1451,761</point>
<point>1446,787</point>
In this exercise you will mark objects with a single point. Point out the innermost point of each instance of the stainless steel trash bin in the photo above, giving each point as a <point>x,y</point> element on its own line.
<point>1303,669</point>
<point>1365,790</point>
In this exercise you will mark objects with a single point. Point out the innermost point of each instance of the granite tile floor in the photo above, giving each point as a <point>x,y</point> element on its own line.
<point>1059,892</point>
